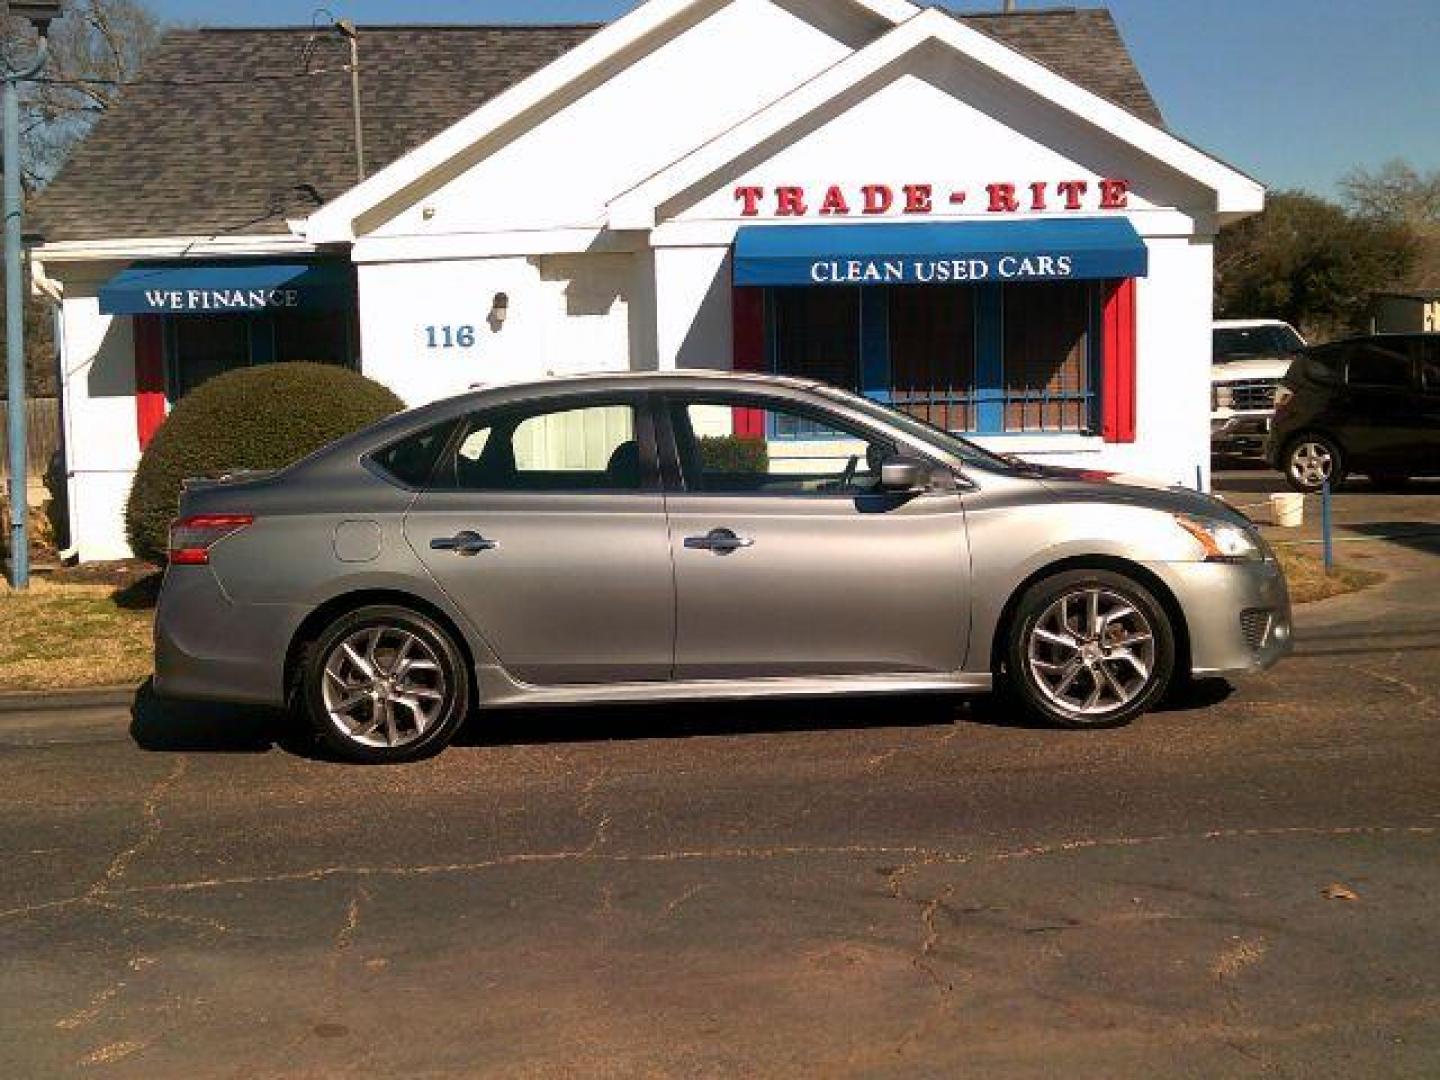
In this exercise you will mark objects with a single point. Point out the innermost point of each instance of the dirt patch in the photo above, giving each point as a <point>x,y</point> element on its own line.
<point>118,575</point>
<point>1309,580</point>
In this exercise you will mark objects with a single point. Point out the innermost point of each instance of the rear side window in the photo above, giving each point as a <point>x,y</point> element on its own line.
<point>1380,366</point>
<point>589,448</point>
<point>412,459</point>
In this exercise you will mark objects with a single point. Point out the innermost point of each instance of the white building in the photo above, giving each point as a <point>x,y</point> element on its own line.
<point>979,219</point>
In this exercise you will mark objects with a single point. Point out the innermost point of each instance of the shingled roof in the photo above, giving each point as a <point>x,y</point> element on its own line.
<point>231,131</point>
<point>1081,44</point>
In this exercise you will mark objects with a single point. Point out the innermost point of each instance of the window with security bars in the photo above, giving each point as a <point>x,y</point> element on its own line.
<point>1047,356</point>
<point>988,359</point>
<point>932,354</point>
<point>816,334</point>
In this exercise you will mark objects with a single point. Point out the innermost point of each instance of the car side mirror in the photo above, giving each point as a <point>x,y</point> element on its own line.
<point>904,476</point>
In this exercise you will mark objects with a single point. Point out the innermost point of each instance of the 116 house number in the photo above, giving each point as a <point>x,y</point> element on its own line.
<point>450,337</point>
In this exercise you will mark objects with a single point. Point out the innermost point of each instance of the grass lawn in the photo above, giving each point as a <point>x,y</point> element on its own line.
<point>72,635</point>
<point>1309,581</point>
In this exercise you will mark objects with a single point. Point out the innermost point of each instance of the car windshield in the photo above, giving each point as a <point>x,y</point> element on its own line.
<point>952,444</point>
<point>1238,342</point>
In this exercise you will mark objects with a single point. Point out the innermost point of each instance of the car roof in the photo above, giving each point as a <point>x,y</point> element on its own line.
<point>1247,324</point>
<point>501,394</point>
<point>642,380</point>
<point>1387,335</point>
<point>600,382</point>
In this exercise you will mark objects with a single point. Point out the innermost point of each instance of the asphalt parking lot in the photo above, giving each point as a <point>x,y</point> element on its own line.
<point>1243,884</point>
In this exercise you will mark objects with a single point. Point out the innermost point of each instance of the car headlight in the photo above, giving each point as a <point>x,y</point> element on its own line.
<point>1223,541</point>
<point>1222,397</point>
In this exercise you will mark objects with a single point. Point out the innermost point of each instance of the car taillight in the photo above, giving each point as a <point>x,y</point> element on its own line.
<point>1283,396</point>
<point>192,538</point>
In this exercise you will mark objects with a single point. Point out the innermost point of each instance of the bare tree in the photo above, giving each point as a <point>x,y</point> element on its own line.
<point>95,50</point>
<point>1397,192</point>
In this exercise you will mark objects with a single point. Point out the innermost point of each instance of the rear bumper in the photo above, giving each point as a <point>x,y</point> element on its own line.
<point>209,648</point>
<point>1237,614</point>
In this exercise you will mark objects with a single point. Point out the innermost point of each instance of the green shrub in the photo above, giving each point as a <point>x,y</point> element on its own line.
<point>255,418</point>
<point>734,454</point>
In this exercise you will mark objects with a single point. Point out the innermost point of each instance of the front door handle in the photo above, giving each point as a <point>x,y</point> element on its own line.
<point>463,543</point>
<point>720,541</point>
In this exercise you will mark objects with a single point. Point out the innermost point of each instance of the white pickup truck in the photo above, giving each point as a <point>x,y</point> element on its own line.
<point>1250,358</point>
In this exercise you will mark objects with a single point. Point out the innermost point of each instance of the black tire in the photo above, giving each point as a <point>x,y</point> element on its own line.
<point>1022,678</point>
<point>1307,480</point>
<point>446,688</point>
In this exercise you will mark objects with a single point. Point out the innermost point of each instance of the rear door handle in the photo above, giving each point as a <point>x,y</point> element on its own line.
<point>720,541</point>
<point>463,543</point>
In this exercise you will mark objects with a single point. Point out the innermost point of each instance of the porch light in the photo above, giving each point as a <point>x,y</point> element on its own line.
<point>38,15</point>
<point>499,311</point>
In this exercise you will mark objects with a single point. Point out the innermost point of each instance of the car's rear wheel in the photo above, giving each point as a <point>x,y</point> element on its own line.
<point>1311,460</point>
<point>385,684</point>
<point>1089,649</point>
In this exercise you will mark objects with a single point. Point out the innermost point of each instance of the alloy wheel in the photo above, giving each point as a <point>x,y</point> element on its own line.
<point>1311,463</point>
<point>1091,652</point>
<point>383,687</point>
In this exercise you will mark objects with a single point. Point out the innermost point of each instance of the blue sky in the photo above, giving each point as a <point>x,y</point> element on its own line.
<point>1295,92</point>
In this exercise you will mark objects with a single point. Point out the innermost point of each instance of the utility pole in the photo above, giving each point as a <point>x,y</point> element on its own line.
<point>39,15</point>
<point>347,30</point>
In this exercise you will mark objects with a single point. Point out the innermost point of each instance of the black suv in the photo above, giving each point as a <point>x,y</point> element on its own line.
<point>1365,404</point>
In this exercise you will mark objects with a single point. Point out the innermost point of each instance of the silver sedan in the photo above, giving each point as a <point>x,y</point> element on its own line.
<point>686,536</point>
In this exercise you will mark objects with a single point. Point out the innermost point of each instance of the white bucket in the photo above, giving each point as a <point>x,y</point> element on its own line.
<point>1287,509</point>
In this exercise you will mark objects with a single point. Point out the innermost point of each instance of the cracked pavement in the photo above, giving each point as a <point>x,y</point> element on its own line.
<point>885,888</point>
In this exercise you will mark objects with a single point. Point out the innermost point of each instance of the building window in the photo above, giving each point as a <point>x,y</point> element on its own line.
<point>1047,356</point>
<point>313,337</point>
<point>815,334</point>
<point>199,347</point>
<point>932,354</point>
<point>987,359</point>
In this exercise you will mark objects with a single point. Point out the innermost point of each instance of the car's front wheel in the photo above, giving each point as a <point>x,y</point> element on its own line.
<point>385,684</point>
<point>1089,649</point>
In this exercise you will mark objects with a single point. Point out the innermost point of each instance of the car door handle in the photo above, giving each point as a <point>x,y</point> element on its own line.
<point>463,543</point>
<point>720,541</point>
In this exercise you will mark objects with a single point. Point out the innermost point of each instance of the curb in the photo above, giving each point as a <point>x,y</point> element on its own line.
<point>59,700</point>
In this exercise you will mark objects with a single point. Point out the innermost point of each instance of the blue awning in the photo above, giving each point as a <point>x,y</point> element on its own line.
<point>1047,249</point>
<point>227,288</point>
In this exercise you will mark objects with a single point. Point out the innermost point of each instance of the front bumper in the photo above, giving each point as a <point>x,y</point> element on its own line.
<point>1246,431</point>
<point>1237,614</point>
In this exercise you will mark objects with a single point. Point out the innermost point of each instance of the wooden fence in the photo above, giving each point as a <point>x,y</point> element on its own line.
<point>42,435</point>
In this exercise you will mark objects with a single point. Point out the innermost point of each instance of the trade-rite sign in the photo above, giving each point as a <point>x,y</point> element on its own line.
<point>789,200</point>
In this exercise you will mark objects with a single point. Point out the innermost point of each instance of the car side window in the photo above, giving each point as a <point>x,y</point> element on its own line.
<point>744,446</point>
<point>587,448</point>
<point>1430,367</point>
<point>1325,364</point>
<point>412,459</point>
<point>1375,365</point>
